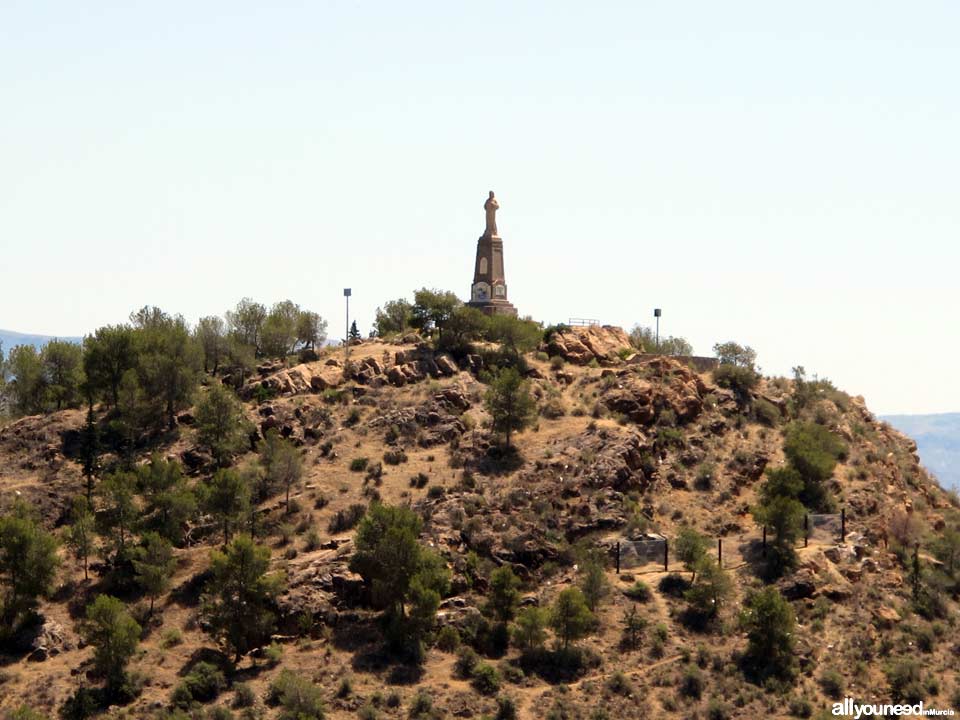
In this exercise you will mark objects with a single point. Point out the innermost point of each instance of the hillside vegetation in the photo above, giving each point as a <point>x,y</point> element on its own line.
<point>231,521</point>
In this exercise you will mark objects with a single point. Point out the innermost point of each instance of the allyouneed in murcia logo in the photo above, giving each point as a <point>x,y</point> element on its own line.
<point>857,710</point>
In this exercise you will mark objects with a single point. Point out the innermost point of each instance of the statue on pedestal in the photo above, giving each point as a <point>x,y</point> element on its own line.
<point>491,206</point>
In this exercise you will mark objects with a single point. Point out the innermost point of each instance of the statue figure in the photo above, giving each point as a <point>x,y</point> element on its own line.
<point>491,206</point>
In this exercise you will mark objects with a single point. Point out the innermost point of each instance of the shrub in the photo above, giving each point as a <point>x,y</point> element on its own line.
<point>717,710</point>
<point>557,362</point>
<point>347,519</point>
<point>422,705</point>
<point>619,684</point>
<point>312,541</point>
<point>705,476</point>
<point>633,626</point>
<point>506,708</point>
<point>738,378</point>
<point>832,683</point>
<point>170,638</point>
<point>674,585</point>
<point>359,464</point>
<point>395,457</point>
<point>691,682</point>
<point>353,417</point>
<point>553,408</point>
<point>419,480</point>
<point>904,678</point>
<point>299,698</point>
<point>243,695</point>
<point>273,653</point>
<point>448,639</point>
<point>801,707</point>
<point>435,492</point>
<point>639,592</point>
<point>766,412</point>
<point>486,679</point>
<point>203,683</point>
<point>467,660</point>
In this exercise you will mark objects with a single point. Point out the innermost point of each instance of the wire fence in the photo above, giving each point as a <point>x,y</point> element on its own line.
<point>656,553</point>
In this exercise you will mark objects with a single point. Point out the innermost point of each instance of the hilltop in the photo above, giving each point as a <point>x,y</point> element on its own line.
<point>625,447</point>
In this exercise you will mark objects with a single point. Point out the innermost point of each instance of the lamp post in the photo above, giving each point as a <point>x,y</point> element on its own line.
<point>656,314</point>
<point>346,335</point>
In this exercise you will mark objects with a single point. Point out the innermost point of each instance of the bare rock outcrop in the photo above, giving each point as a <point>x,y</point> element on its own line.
<point>675,387</point>
<point>580,345</point>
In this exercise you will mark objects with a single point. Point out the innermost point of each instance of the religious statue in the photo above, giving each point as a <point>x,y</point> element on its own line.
<point>491,206</point>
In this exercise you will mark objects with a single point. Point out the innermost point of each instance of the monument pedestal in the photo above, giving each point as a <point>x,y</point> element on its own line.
<point>488,293</point>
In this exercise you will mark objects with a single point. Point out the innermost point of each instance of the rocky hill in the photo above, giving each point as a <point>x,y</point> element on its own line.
<point>625,448</point>
<point>938,441</point>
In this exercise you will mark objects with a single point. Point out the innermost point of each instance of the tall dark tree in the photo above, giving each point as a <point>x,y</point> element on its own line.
<point>354,331</point>
<point>63,372</point>
<point>245,323</point>
<point>282,464</point>
<point>221,426</point>
<point>119,513</point>
<point>81,533</point>
<point>570,617</point>
<point>226,496</point>
<point>107,355</point>
<point>153,563</point>
<point>770,624</point>
<point>432,309</point>
<point>279,331</point>
<point>114,635</point>
<point>509,402</point>
<point>169,502</point>
<point>239,608</point>
<point>28,564</point>
<point>395,317</point>
<point>311,329</point>
<point>28,387</point>
<point>211,335</point>
<point>169,361</point>
<point>517,336</point>
<point>90,453</point>
<point>389,556</point>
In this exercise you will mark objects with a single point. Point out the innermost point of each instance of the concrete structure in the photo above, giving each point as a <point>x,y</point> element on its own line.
<point>489,290</point>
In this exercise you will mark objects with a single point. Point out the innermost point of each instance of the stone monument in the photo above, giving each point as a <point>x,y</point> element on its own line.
<point>489,290</point>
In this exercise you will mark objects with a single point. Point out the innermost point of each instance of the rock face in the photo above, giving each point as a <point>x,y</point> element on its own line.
<point>677,388</point>
<point>45,640</point>
<point>435,422</point>
<point>300,379</point>
<point>321,586</point>
<point>580,345</point>
<point>410,365</point>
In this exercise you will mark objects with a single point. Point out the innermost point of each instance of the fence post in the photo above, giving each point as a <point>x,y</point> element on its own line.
<point>806,528</point>
<point>764,540</point>
<point>843,524</point>
<point>666,562</point>
<point>720,552</point>
<point>618,557</point>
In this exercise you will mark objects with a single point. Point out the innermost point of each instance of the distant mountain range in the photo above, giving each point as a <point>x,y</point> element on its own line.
<point>9,338</point>
<point>938,442</point>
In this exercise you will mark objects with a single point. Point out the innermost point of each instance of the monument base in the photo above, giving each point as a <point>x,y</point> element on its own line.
<point>494,307</point>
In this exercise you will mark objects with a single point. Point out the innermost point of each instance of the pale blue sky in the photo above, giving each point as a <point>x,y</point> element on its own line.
<point>780,174</point>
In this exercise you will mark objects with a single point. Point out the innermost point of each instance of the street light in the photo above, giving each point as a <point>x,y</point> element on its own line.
<point>656,314</point>
<point>346,337</point>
